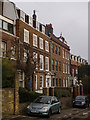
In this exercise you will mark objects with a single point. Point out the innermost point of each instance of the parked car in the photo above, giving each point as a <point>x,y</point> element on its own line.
<point>44,105</point>
<point>81,101</point>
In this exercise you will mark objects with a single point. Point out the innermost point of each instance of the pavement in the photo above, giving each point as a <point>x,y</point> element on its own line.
<point>66,114</point>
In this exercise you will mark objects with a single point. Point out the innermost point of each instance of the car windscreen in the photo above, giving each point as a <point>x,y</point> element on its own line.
<point>80,98</point>
<point>43,100</point>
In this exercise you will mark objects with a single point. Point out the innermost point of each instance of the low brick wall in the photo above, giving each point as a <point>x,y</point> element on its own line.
<point>66,102</point>
<point>7,101</point>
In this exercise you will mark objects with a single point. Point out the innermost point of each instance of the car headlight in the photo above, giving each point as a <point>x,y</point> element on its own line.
<point>45,108</point>
<point>83,103</point>
<point>28,106</point>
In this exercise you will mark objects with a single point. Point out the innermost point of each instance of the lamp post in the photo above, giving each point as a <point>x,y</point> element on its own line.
<point>81,88</point>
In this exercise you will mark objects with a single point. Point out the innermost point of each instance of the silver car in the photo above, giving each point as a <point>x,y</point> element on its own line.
<point>44,105</point>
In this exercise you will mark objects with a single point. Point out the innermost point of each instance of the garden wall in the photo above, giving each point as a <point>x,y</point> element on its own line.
<point>7,101</point>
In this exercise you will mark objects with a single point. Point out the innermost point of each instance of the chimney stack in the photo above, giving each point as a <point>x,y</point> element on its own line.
<point>49,29</point>
<point>34,19</point>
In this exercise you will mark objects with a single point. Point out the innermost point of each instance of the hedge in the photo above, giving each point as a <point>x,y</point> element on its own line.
<point>27,96</point>
<point>61,93</point>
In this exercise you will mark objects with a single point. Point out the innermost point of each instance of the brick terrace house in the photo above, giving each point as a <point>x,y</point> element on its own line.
<point>32,34</point>
<point>75,62</point>
<point>7,30</point>
<point>52,53</point>
<point>60,59</point>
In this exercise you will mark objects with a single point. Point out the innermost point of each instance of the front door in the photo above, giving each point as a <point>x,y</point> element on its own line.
<point>48,82</point>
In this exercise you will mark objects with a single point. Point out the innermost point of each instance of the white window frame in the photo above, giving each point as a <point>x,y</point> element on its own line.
<point>72,57</point>
<point>43,29</point>
<point>30,21</point>
<point>41,62</point>
<point>37,25</point>
<point>35,58</point>
<point>0,23</point>
<point>47,46</point>
<point>21,80</point>
<point>34,40</point>
<point>68,56</point>
<point>72,72</point>
<point>26,36</point>
<point>42,82</point>
<point>40,43</point>
<point>47,63</point>
<point>66,83</point>
<point>5,25</point>
<point>76,71</point>
<point>13,51</point>
<point>3,49</point>
<point>22,15</point>
<point>63,67</point>
<point>63,53</point>
<point>25,55</point>
<point>63,82</point>
<point>68,69</point>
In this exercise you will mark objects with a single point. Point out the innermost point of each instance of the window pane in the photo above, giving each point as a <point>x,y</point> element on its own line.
<point>13,51</point>
<point>56,49</point>
<point>41,62</point>
<point>25,55</point>
<point>52,64</point>
<point>41,43</point>
<point>52,48</point>
<point>5,25</point>
<point>46,46</point>
<point>10,28</point>
<point>34,40</point>
<point>59,66</point>
<point>41,82</point>
<point>60,82</point>
<point>56,64</point>
<point>0,23</point>
<point>26,36</point>
<point>59,50</point>
<point>3,49</point>
<point>46,63</point>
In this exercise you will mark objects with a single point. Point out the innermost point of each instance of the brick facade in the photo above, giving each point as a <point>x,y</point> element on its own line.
<point>60,74</point>
<point>75,62</point>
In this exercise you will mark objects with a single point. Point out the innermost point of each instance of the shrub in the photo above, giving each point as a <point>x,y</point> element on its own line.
<point>61,93</point>
<point>27,96</point>
<point>8,73</point>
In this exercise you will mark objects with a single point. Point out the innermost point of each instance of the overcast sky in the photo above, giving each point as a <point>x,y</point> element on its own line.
<point>70,18</point>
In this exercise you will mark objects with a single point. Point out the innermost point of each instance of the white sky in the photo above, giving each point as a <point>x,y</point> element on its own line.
<point>70,18</point>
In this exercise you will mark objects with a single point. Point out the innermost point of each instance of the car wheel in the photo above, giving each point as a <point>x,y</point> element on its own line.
<point>59,110</point>
<point>84,106</point>
<point>49,113</point>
